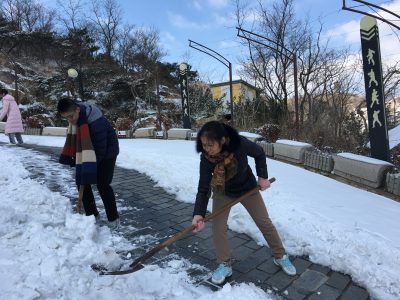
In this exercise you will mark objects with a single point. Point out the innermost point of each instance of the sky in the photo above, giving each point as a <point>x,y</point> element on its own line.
<point>345,228</point>
<point>212,23</point>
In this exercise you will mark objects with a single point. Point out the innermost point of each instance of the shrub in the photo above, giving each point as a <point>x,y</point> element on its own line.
<point>123,124</point>
<point>166,123</point>
<point>395,156</point>
<point>34,122</point>
<point>270,132</point>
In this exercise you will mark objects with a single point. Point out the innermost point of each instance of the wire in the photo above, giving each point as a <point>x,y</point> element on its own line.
<point>391,28</point>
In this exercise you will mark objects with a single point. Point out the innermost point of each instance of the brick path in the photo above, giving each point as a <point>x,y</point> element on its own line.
<point>155,212</point>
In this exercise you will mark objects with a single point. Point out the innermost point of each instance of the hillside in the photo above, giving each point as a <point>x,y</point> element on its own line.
<point>120,96</point>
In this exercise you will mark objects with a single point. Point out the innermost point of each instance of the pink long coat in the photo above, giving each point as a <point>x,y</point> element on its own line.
<point>11,110</point>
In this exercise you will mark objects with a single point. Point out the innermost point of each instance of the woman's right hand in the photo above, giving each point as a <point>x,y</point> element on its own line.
<point>197,223</point>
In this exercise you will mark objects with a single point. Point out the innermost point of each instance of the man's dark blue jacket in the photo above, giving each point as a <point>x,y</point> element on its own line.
<point>102,134</point>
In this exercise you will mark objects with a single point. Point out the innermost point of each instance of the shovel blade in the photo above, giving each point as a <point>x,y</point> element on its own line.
<point>98,268</point>
<point>132,269</point>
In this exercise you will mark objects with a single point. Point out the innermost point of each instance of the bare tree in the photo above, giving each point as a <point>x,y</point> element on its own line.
<point>340,88</point>
<point>391,81</point>
<point>327,82</point>
<point>142,50</point>
<point>108,20</point>
<point>27,28</point>
<point>71,14</point>
<point>28,15</point>
<point>311,64</point>
<point>13,12</point>
<point>125,43</point>
<point>272,67</point>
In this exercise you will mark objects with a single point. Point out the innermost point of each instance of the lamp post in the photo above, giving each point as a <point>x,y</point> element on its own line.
<point>292,56</point>
<point>157,82</point>
<point>222,60</point>
<point>72,73</point>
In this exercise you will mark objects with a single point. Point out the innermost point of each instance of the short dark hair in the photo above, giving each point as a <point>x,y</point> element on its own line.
<point>66,104</point>
<point>3,91</point>
<point>215,131</point>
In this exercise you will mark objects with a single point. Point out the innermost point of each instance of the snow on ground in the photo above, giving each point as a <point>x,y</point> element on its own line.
<point>46,250</point>
<point>337,225</point>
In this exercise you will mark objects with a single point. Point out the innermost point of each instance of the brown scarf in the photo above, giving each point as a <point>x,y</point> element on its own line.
<point>225,169</point>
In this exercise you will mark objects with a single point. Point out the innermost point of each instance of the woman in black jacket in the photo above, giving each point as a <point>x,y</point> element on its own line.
<point>225,171</point>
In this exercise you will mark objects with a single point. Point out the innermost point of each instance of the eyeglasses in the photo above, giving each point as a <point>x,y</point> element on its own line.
<point>69,116</point>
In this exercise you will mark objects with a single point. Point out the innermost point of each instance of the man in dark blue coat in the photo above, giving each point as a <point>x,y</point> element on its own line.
<point>105,145</point>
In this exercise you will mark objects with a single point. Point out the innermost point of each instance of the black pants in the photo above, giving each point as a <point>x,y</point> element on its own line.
<point>105,173</point>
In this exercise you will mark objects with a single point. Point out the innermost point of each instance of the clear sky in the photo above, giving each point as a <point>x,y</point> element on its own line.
<point>212,23</point>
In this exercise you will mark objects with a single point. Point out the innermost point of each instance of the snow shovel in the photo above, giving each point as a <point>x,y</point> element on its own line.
<point>80,197</point>
<point>138,263</point>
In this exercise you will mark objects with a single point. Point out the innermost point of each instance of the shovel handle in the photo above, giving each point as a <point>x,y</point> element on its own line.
<point>80,199</point>
<point>230,204</point>
<point>189,229</point>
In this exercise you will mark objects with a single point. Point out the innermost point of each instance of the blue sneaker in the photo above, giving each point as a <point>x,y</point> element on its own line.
<point>286,265</point>
<point>223,271</point>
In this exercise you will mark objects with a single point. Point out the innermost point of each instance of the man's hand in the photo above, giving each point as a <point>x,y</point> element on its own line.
<point>263,183</point>
<point>197,223</point>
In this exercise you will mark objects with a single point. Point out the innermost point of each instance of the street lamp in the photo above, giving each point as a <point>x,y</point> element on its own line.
<point>72,73</point>
<point>222,60</point>
<point>292,56</point>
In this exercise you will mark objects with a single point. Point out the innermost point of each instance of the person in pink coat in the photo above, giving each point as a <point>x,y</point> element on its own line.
<point>10,109</point>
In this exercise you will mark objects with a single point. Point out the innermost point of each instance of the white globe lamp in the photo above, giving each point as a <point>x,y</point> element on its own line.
<point>72,73</point>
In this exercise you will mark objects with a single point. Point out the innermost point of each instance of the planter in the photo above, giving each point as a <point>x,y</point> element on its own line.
<point>32,131</point>
<point>393,183</point>
<point>292,151</point>
<point>365,170</point>
<point>268,148</point>
<point>147,132</point>
<point>319,161</point>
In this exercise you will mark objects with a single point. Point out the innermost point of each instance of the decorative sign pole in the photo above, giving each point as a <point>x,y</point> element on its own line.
<point>371,55</point>
<point>183,71</point>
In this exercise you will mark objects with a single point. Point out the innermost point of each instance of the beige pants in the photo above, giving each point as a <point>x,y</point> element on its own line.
<point>257,210</point>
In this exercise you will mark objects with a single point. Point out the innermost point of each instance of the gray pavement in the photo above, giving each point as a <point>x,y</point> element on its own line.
<point>155,212</point>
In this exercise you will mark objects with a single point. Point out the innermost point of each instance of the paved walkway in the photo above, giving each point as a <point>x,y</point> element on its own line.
<point>159,214</point>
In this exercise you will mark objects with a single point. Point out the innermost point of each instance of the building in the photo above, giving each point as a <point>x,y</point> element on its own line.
<point>240,89</point>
